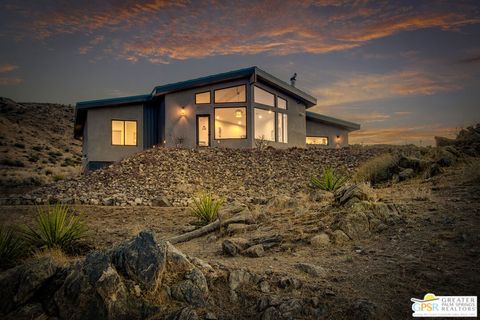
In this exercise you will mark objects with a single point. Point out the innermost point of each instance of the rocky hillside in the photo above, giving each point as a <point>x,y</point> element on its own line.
<point>172,176</point>
<point>36,144</point>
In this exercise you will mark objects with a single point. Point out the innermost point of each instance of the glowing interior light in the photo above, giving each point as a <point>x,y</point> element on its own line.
<point>238,113</point>
<point>260,116</point>
<point>239,122</point>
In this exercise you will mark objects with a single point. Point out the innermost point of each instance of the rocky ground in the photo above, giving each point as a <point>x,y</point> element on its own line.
<point>162,176</point>
<point>359,254</point>
<point>36,145</point>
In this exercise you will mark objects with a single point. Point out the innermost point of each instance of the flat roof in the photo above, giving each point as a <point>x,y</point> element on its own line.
<point>351,126</point>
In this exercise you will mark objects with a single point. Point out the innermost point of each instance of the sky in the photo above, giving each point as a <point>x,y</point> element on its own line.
<point>405,70</point>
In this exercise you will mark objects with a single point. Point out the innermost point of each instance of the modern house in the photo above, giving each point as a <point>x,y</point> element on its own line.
<point>233,109</point>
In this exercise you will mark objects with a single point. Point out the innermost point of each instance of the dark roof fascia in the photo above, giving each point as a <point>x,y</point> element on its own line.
<point>282,85</point>
<point>351,126</point>
<point>203,81</point>
<point>112,102</point>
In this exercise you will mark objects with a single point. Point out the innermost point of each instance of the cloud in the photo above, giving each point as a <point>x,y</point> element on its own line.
<point>356,88</point>
<point>402,113</point>
<point>469,60</point>
<point>423,135</point>
<point>161,30</point>
<point>6,81</point>
<point>7,67</point>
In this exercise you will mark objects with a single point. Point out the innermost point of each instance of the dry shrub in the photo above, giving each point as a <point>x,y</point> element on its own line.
<point>369,191</point>
<point>377,169</point>
<point>56,254</point>
<point>418,193</point>
<point>471,172</point>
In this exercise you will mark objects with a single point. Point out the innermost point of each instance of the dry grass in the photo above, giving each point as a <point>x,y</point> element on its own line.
<point>369,191</point>
<point>56,254</point>
<point>471,172</point>
<point>376,170</point>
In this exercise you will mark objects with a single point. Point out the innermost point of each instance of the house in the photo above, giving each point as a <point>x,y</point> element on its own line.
<point>232,109</point>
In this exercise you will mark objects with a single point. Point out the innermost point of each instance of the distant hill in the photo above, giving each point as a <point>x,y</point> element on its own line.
<point>36,144</point>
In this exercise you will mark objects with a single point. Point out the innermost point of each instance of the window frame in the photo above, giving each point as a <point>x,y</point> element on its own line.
<point>268,91</point>
<point>284,116</point>
<point>233,108</point>
<point>124,133</point>
<point>286,103</point>
<point>316,144</point>
<point>204,103</point>
<point>221,102</point>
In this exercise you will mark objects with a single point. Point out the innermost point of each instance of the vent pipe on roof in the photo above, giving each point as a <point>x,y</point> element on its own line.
<point>293,79</point>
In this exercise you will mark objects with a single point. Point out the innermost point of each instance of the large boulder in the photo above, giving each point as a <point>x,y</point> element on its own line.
<point>347,195</point>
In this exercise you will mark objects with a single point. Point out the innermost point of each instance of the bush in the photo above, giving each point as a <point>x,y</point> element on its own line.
<point>12,163</point>
<point>378,169</point>
<point>55,228</point>
<point>19,145</point>
<point>11,247</point>
<point>328,181</point>
<point>205,207</point>
<point>58,177</point>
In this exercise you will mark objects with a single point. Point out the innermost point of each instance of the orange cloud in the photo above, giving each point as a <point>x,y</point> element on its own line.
<point>401,135</point>
<point>7,67</point>
<point>5,81</point>
<point>160,30</point>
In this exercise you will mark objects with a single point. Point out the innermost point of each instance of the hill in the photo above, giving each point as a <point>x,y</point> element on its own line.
<point>36,144</point>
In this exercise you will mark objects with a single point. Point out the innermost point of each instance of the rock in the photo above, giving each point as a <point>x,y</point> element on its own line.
<point>237,278</point>
<point>184,314</point>
<point>340,237</point>
<point>19,284</point>
<point>415,164</point>
<point>193,289</point>
<point>234,246</point>
<point>362,310</point>
<point>259,200</point>
<point>107,202</point>
<point>347,195</point>
<point>355,225</point>
<point>291,309</point>
<point>138,201</point>
<point>255,251</point>
<point>265,287</point>
<point>141,259</point>
<point>28,312</point>
<point>286,282</point>
<point>311,269</point>
<point>271,313</point>
<point>320,240</point>
<point>406,174</point>
<point>161,201</point>
<point>234,228</point>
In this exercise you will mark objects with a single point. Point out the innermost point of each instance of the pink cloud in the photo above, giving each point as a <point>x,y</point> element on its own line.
<point>7,67</point>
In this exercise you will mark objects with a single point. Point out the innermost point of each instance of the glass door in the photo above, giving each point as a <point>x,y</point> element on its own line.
<point>203,130</point>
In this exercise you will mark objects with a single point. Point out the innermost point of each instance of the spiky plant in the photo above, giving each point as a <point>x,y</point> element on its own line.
<point>55,227</point>
<point>205,207</point>
<point>11,247</point>
<point>328,181</point>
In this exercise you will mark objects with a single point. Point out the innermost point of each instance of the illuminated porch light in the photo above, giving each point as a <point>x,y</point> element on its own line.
<point>182,112</point>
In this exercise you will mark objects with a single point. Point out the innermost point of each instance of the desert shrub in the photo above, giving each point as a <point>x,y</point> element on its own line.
<point>205,207</point>
<point>37,148</point>
<point>48,172</point>
<point>55,154</point>
<point>377,169</point>
<point>12,163</point>
<point>55,227</point>
<point>261,143</point>
<point>11,247</point>
<point>33,158</point>
<point>19,145</point>
<point>329,180</point>
<point>58,177</point>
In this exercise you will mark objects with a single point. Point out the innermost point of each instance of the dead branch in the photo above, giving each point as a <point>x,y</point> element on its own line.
<point>210,228</point>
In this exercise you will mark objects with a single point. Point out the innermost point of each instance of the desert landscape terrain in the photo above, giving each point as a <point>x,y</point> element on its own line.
<point>405,223</point>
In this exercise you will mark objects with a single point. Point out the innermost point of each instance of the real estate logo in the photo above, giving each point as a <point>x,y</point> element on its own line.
<point>444,306</point>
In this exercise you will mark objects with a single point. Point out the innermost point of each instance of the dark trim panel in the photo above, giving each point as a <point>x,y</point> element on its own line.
<point>95,165</point>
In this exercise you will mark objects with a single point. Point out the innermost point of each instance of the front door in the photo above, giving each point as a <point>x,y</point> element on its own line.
<point>203,131</point>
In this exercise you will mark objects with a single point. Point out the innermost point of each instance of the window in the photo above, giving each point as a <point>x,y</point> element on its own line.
<point>318,140</point>
<point>282,128</point>
<point>281,103</point>
<point>124,133</point>
<point>264,124</point>
<point>232,94</point>
<point>230,123</point>
<point>202,97</point>
<point>263,97</point>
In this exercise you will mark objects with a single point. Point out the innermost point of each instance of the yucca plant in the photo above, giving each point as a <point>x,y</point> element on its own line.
<point>55,227</point>
<point>205,207</point>
<point>328,181</point>
<point>11,247</point>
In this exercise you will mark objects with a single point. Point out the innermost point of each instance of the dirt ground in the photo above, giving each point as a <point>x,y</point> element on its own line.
<point>435,248</point>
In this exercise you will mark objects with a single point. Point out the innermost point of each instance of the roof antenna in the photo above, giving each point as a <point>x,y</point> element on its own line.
<point>293,79</point>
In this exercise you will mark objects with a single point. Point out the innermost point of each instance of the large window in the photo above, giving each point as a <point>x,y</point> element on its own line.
<point>202,97</point>
<point>263,97</point>
<point>230,123</point>
<point>232,94</point>
<point>264,124</point>
<point>281,103</point>
<point>317,140</point>
<point>124,133</point>
<point>282,127</point>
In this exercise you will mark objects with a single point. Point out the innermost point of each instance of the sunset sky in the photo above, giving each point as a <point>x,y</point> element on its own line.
<point>404,70</point>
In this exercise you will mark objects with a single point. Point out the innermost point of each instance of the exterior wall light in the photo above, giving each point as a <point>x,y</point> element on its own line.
<point>183,112</point>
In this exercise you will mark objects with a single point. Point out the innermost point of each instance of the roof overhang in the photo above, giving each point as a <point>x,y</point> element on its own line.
<point>350,126</point>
